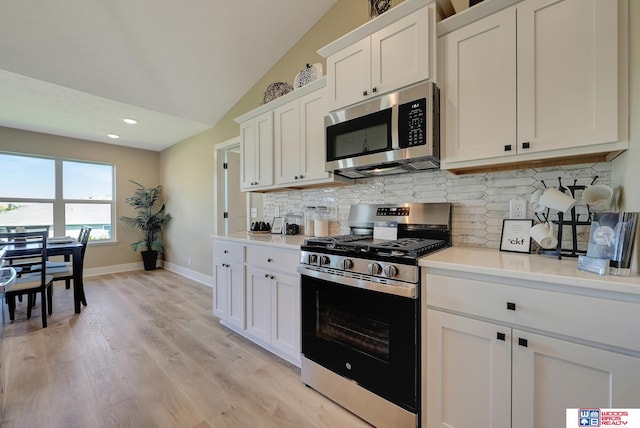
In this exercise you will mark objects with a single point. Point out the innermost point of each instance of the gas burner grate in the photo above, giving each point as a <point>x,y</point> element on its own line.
<point>412,247</point>
<point>342,241</point>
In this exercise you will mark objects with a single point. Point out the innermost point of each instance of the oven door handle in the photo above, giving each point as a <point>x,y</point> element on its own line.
<point>397,288</point>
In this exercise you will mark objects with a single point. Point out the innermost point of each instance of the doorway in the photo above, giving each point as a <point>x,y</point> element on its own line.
<point>233,209</point>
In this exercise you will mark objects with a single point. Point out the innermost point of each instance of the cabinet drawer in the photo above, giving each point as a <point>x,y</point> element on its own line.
<point>270,258</point>
<point>595,319</point>
<point>228,250</point>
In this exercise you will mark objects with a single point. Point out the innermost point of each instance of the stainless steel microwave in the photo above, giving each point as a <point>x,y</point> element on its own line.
<point>390,134</point>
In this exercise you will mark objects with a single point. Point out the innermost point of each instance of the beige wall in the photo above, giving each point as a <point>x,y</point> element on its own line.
<point>138,165</point>
<point>187,169</point>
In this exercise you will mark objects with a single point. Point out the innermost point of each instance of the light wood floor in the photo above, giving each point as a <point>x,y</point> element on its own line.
<point>147,352</point>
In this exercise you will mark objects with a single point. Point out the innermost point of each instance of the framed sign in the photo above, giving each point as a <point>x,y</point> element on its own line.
<point>515,235</point>
<point>276,225</point>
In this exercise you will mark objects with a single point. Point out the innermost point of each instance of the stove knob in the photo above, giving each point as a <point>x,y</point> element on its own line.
<point>324,260</point>
<point>391,271</point>
<point>347,264</point>
<point>313,259</point>
<point>374,269</point>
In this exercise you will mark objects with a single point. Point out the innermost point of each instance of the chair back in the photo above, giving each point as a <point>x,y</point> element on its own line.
<point>32,246</point>
<point>83,237</point>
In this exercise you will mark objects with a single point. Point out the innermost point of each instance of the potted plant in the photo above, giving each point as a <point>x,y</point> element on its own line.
<point>150,219</point>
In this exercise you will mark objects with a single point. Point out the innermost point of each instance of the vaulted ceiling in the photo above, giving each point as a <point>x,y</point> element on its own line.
<point>76,68</point>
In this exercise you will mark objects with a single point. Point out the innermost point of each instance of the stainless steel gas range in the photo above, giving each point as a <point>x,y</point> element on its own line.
<point>361,309</point>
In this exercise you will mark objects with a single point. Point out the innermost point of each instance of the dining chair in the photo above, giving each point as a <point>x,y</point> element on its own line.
<point>16,263</point>
<point>7,278</point>
<point>35,248</point>
<point>63,271</point>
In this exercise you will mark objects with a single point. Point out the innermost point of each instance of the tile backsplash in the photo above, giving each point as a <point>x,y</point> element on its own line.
<point>480,201</point>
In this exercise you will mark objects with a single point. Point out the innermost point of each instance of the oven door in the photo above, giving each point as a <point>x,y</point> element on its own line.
<point>367,336</point>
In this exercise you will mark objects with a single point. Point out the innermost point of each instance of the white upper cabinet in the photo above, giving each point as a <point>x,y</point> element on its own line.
<point>567,73</point>
<point>282,143</point>
<point>479,81</point>
<point>349,75</point>
<point>392,51</point>
<point>300,153</point>
<point>537,80</point>
<point>400,53</point>
<point>256,152</point>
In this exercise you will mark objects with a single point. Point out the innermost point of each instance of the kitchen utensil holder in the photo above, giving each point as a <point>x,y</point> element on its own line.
<point>573,222</point>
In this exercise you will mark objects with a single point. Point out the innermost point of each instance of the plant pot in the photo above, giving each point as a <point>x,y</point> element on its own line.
<point>149,259</point>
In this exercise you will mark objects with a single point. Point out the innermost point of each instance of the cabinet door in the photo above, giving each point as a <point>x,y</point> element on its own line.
<point>220,288</point>
<point>313,109</point>
<point>400,53</point>
<point>248,154</point>
<point>567,80</point>
<point>349,75</point>
<point>468,373</point>
<point>259,303</point>
<point>287,142</point>
<point>286,318</point>
<point>479,88</point>
<point>235,295</point>
<point>551,375</point>
<point>256,151</point>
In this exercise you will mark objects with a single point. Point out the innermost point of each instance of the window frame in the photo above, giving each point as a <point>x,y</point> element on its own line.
<point>59,203</point>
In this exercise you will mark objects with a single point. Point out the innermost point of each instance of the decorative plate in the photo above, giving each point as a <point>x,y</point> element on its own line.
<point>308,75</point>
<point>276,90</point>
<point>378,7</point>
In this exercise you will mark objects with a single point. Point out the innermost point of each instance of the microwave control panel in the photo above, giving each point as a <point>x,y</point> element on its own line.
<point>392,212</point>
<point>412,123</point>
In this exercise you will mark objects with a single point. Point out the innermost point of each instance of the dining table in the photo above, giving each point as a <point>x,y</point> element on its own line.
<point>69,249</point>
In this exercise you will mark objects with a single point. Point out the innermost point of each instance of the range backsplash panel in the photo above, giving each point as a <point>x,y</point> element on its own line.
<point>480,201</point>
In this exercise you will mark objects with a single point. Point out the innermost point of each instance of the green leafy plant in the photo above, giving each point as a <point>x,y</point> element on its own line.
<point>150,218</point>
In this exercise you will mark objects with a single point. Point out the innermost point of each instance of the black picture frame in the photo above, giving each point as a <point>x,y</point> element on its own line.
<point>515,236</point>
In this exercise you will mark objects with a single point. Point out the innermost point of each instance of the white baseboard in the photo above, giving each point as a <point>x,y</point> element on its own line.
<point>102,270</point>
<point>188,273</point>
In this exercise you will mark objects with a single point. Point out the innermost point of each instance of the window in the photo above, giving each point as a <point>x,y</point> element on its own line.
<point>63,194</point>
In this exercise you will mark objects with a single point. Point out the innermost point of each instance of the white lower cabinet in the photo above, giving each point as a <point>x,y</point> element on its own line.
<point>493,359</point>
<point>259,298</point>
<point>273,309</point>
<point>228,287</point>
<point>468,373</point>
<point>228,292</point>
<point>550,375</point>
<point>273,300</point>
<point>259,304</point>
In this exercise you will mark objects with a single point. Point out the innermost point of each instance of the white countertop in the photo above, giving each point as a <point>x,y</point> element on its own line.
<point>292,242</point>
<point>528,267</point>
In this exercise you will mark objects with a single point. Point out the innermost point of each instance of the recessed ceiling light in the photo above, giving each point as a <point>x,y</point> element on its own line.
<point>114,136</point>
<point>129,120</point>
